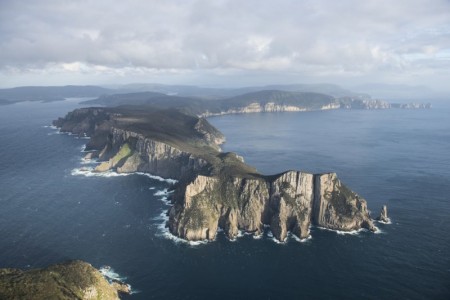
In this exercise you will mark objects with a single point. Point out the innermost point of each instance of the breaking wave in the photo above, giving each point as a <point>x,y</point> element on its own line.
<point>341,232</point>
<point>112,276</point>
<point>164,232</point>
<point>90,172</point>
<point>159,178</point>
<point>389,222</point>
<point>296,238</point>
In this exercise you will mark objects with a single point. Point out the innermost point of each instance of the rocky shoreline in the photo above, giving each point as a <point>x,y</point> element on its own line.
<point>214,190</point>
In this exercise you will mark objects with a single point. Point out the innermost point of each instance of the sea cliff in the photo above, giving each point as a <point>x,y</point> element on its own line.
<point>288,202</point>
<point>214,190</point>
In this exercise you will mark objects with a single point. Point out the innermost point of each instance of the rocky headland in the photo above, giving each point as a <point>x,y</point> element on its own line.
<point>214,189</point>
<point>253,102</point>
<point>69,280</point>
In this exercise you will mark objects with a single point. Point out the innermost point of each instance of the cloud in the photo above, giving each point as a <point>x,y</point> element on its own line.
<point>321,39</point>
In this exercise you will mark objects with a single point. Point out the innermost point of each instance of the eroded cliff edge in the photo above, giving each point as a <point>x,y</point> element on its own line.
<point>214,190</point>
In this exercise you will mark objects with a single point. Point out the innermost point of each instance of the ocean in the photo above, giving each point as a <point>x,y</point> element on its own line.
<point>52,209</point>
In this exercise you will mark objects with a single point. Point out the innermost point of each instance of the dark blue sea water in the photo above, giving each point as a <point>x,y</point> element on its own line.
<point>401,158</point>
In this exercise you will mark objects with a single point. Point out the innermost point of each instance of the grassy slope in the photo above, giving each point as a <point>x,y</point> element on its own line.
<point>62,281</point>
<point>177,129</point>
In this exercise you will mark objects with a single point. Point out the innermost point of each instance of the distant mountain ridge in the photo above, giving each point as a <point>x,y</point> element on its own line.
<point>50,93</point>
<point>209,101</point>
<point>55,93</point>
<point>259,101</point>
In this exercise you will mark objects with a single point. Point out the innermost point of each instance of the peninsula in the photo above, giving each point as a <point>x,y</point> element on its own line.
<point>214,189</point>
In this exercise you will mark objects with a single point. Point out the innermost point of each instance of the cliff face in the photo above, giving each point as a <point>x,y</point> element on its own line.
<point>211,202</point>
<point>257,107</point>
<point>289,202</point>
<point>216,190</point>
<point>71,280</point>
<point>337,207</point>
<point>166,143</point>
<point>147,155</point>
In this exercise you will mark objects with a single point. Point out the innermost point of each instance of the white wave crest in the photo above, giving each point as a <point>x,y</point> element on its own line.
<point>165,233</point>
<point>296,238</point>
<point>239,235</point>
<point>258,236</point>
<point>89,172</point>
<point>163,192</point>
<point>379,231</point>
<point>159,178</point>
<point>389,222</point>
<point>274,239</point>
<point>112,276</point>
<point>341,232</point>
<point>89,161</point>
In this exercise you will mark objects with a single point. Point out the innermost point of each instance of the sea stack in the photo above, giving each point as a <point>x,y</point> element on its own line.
<point>383,215</point>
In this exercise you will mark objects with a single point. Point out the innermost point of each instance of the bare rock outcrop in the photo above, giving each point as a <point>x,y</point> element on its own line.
<point>147,155</point>
<point>337,207</point>
<point>289,202</point>
<point>383,218</point>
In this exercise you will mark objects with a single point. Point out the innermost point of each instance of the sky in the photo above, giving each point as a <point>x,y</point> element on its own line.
<point>225,43</point>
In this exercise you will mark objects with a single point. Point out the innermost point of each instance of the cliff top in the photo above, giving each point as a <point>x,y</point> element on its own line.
<point>184,132</point>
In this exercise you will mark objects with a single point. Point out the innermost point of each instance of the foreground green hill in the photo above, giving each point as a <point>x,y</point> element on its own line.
<point>70,280</point>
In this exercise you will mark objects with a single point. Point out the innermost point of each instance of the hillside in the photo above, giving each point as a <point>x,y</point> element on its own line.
<point>50,93</point>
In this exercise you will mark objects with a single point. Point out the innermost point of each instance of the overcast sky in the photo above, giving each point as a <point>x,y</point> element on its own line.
<point>242,42</point>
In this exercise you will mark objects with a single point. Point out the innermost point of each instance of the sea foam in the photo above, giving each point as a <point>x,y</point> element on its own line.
<point>341,232</point>
<point>90,172</point>
<point>389,222</point>
<point>112,276</point>
<point>165,233</point>
<point>159,178</point>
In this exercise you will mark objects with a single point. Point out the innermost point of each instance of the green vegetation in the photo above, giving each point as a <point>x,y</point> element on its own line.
<point>71,280</point>
<point>196,106</point>
<point>340,199</point>
<point>124,152</point>
<point>195,214</point>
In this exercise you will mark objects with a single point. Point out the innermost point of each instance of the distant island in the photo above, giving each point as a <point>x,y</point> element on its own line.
<point>258,101</point>
<point>159,94</point>
<point>215,189</point>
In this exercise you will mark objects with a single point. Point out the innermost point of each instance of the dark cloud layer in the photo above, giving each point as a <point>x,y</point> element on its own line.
<point>404,41</point>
